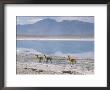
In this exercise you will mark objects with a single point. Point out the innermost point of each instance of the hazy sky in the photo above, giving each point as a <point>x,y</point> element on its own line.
<point>32,19</point>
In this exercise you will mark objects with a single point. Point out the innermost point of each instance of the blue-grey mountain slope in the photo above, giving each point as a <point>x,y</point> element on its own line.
<point>52,27</point>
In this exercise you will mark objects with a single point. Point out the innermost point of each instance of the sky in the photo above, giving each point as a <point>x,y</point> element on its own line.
<point>32,19</point>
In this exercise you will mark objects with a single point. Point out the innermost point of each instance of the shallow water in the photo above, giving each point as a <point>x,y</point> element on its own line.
<point>57,47</point>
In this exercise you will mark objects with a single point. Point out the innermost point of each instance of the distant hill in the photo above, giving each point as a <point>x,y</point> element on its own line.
<point>52,27</point>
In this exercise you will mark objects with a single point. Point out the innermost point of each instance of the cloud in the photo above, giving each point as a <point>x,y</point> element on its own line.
<point>27,19</point>
<point>33,19</point>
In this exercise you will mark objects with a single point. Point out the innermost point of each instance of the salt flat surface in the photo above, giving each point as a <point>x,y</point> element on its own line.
<point>27,63</point>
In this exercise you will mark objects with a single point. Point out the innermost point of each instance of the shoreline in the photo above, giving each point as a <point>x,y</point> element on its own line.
<point>34,67</point>
<point>74,38</point>
<point>27,63</point>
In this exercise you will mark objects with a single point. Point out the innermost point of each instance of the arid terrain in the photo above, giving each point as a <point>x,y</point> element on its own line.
<point>28,63</point>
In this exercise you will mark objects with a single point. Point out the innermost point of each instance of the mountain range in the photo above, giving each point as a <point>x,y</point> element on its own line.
<point>52,27</point>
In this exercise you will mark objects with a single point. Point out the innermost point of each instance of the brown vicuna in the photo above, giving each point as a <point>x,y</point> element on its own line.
<point>72,60</point>
<point>40,58</point>
<point>48,58</point>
